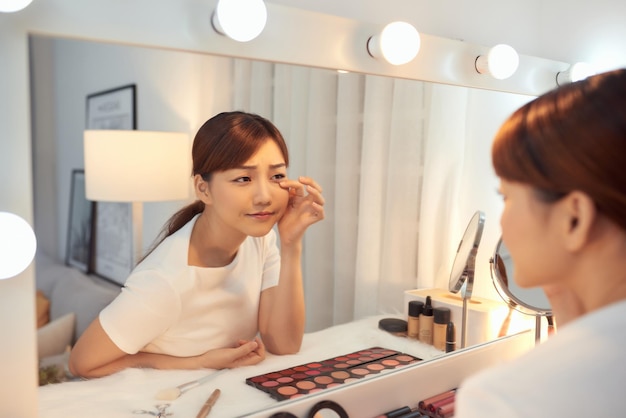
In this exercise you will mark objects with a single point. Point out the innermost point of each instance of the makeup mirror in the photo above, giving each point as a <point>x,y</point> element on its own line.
<point>531,301</point>
<point>462,274</point>
<point>333,276</point>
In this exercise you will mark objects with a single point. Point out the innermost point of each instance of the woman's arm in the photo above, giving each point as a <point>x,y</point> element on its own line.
<point>95,355</point>
<point>281,311</point>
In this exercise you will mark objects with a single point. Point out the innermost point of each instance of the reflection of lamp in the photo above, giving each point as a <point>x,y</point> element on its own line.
<point>17,245</point>
<point>398,43</point>
<point>136,166</point>
<point>575,72</point>
<point>500,62</point>
<point>241,20</point>
<point>10,6</point>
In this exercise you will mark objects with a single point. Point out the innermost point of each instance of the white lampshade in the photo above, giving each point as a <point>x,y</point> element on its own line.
<point>500,62</point>
<point>17,245</point>
<point>241,20</point>
<point>10,6</point>
<point>398,43</point>
<point>136,166</point>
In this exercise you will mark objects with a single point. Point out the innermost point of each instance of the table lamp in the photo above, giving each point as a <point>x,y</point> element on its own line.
<point>136,166</point>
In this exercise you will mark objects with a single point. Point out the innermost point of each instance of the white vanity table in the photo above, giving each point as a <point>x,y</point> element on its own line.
<point>135,389</point>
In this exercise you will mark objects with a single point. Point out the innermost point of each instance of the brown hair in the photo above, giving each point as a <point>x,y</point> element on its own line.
<point>571,138</point>
<point>225,141</point>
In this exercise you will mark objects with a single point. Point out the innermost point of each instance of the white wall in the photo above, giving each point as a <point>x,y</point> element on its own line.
<point>176,92</point>
<point>558,29</point>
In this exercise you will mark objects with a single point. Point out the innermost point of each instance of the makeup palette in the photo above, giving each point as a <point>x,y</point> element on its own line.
<point>313,377</point>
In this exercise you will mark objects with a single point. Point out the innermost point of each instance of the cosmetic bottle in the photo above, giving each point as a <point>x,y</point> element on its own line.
<point>441,319</point>
<point>450,338</point>
<point>415,310</point>
<point>426,322</point>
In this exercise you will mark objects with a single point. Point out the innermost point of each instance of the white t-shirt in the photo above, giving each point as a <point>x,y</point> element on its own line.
<point>169,307</point>
<point>579,372</point>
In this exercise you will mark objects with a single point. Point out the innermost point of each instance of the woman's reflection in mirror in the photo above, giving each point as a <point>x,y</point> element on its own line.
<point>216,290</point>
<point>561,160</point>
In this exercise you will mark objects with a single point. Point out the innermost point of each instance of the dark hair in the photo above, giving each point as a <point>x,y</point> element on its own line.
<point>225,141</point>
<point>571,138</point>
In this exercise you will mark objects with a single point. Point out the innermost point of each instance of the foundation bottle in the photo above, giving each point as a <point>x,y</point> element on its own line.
<point>415,310</point>
<point>426,322</point>
<point>441,319</point>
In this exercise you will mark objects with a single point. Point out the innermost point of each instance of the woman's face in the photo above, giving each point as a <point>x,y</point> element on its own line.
<point>529,232</point>
<point>249,199</point>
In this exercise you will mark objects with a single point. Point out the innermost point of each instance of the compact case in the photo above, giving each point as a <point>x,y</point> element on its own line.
<point>316,376</point>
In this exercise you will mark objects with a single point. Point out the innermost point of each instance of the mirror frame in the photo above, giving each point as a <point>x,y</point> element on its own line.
<point>186,26</point>
<point>507,296</point>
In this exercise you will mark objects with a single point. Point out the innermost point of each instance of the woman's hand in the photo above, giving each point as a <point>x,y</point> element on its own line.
<point>305,207</point>
<point>247,353</point>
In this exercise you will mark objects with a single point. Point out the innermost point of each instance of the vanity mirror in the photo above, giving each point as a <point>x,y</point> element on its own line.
<point>528,301</point>
<point>463,268</point>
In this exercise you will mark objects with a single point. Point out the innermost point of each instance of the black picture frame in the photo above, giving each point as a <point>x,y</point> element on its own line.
<point>79,246</point>
<point>113,254</point>
<point>113,108</point>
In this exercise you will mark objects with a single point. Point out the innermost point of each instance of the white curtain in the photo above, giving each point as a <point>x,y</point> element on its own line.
<point>362,138</point>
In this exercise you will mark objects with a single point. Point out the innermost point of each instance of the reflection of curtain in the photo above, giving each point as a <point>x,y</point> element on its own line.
<point>361,137</point>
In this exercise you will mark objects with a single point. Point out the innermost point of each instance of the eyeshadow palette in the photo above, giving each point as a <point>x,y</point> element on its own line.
<point>319,375</point>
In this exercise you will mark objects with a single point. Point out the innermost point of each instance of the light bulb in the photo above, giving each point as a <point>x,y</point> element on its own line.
<point>501,62</point>
<point>398,43</point>
<point>17,245</point>
<point>10,6</point>
<point>241,20</point>
<point>575,72</point>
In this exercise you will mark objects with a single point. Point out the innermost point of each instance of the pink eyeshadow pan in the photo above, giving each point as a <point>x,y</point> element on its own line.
<point>360,372</point>
<point>287,390</point>
<point>305,384</point>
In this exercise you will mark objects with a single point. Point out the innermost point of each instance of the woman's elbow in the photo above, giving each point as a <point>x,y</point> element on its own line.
<point>284,347</point>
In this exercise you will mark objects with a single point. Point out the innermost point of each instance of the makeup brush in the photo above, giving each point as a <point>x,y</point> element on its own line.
<point>173,393</point>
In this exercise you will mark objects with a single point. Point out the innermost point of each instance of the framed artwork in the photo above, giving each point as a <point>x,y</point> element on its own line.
<point>113,256</point>
<point>112,109</point>
<point>80,225</point>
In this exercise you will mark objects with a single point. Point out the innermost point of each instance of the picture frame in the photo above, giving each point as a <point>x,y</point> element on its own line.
<point>112,109</point>
<point>79,246</point>
<point>113,255</point>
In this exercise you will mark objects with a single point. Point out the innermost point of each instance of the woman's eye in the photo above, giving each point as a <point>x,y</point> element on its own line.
<point>279,177</point>
<point>242,179</point>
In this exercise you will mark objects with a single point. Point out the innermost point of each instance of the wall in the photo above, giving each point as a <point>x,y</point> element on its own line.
<point>558,29</point>
<point>171,96</point>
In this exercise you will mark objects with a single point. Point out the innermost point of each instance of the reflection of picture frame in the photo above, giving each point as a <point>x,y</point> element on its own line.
<point>80,225</point>
<point>113,236</point>
<point>113,241</point>
<point>112,109</point>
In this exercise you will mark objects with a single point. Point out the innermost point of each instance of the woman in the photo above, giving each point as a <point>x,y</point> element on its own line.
<point>217,278</point>
<point>561,160</point>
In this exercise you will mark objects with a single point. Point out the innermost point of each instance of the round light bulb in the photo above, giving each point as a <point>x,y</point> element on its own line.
<point>575,72</point>
<point>398,43</point>
<point>501,62</point>
<point>17,245</point>
<point>241,20</point>
<point>10,6</point>
<point>580,71</point>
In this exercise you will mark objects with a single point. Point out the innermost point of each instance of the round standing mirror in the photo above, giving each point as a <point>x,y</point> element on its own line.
<point>462,274</point>
<point>532,301</point>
